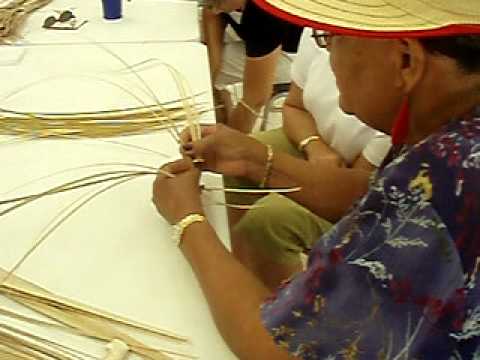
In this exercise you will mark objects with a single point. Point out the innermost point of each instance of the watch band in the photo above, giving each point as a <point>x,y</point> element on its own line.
<point>179,227</point>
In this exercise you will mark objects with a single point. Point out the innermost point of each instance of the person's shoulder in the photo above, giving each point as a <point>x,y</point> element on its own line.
<point>252,11</point>
<point>450,158</point>
<point>457,145</point>
<point>253,15</point>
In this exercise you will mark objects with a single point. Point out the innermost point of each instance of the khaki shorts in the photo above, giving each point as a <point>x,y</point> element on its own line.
<point>278,227</point>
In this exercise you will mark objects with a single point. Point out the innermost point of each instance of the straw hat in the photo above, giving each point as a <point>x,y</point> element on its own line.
<point>413,18</point>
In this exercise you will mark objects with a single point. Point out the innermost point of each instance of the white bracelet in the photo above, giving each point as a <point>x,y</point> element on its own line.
<point>302,144</point>
<point>179,227</point>
<point>249,108</point>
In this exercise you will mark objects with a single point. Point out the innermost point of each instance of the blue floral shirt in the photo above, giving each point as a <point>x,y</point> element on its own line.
<point>398,278</point>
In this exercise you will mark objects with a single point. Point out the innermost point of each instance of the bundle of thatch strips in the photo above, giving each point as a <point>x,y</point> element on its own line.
<point>13,14</point>
<point>129,121</point>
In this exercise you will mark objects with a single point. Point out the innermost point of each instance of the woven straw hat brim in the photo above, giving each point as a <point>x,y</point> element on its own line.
<point>381,17</point>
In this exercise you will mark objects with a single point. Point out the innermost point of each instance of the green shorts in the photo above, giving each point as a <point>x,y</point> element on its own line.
<point>278,227</point>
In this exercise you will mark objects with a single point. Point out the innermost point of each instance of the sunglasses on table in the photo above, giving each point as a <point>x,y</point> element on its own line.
<point>67,21</point>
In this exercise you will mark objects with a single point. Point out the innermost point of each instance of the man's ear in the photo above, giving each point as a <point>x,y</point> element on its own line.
<point>412,59</point>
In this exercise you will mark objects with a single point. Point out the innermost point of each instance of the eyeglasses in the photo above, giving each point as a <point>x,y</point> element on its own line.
<point>323,39</point>
<point>65,17</point>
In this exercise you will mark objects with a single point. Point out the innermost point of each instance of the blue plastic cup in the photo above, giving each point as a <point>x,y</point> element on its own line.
<point>112,9</point>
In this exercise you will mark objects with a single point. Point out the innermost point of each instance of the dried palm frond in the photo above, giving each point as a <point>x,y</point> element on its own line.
<point>89,321</point>
<point>9,352</point>
<point>72,185</point>
<point>143,119</point>
<point>14,12</point>
<point>108,176</point>
<point>102,124</point>
<point>17,341</point>
<point>63,327</point>
<point>262,191</point>
<point>41,344</point>
<point>175,133</point>
<point>13,351</point>
<point>7,277</point>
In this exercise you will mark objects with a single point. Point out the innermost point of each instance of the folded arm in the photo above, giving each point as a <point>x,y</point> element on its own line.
<point>299,124</point>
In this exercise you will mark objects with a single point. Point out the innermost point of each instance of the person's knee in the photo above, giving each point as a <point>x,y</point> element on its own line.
<point>266,217</point>
<point>281,228</point>
<point>268,227</point>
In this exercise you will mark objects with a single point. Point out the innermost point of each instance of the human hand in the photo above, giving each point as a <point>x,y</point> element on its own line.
<point>222,149</point>
<point>178,196</point>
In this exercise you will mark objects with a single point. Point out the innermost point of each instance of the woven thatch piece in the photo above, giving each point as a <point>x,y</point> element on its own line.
<point>13,14</point>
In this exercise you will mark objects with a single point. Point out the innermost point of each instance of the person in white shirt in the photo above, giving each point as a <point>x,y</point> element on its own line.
<point>339,150</point>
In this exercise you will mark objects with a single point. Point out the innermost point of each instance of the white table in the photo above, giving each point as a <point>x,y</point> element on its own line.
<point>115,253</point>
<point>143,21</point>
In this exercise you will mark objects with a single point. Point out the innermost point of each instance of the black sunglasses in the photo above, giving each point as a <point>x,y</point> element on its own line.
<point>65,17</point>
<point>322,38</point>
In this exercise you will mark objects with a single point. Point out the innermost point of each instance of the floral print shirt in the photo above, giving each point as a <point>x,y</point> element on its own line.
<point>397,278</point>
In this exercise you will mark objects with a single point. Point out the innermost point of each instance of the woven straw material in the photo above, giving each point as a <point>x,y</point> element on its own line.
<point>140,120</point>
<point>382,15</point>
<point>13,14</point>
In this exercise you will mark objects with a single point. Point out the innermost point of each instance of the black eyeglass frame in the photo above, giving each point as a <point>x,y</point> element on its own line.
<point>323,39</point>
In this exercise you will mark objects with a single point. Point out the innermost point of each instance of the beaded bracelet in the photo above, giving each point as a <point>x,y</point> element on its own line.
<point>179,227</point>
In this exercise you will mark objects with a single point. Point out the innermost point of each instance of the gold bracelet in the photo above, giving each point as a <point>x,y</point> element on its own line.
<point>302,144</point>
<point>179,227</point>
<point>268,167</point>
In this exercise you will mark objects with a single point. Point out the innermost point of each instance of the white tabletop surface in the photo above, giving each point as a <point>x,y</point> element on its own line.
<point>142,21</point>
<point>115,253</point>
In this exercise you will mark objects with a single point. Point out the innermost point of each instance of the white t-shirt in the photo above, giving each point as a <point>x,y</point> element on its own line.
<point>346,134</point>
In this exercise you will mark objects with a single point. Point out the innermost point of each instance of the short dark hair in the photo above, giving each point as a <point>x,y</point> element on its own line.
<point>464,49</point>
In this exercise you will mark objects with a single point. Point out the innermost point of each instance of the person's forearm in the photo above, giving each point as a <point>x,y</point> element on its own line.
<point>243,118</point>
<point>233,293</point>
<point>299,124</point>
<point>327,190</point>
<point>258,78</point>
<point>213,32</point>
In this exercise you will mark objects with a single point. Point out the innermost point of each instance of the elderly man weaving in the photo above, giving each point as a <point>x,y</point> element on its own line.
<point>396,278</point>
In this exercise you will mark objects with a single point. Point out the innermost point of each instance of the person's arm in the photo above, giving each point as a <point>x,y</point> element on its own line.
<point>328,190</point>
<point>233,293</point>
<point>299,124</point>
<point>213,26</point>
<point>362,163</point>
<point>258,78</point>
